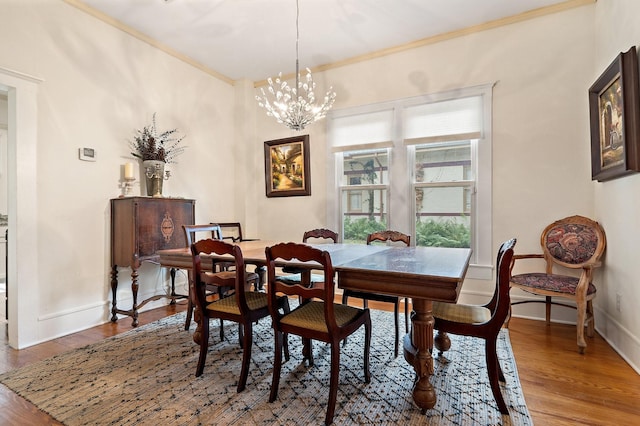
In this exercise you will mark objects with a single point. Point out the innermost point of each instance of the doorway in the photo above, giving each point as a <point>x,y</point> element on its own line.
<point>21,176</point>
<point>4,126</point>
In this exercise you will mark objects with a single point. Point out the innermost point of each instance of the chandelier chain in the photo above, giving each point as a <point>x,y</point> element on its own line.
<point>295,106</point>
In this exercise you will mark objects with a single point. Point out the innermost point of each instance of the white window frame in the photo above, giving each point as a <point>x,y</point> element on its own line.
<point>400,192</point>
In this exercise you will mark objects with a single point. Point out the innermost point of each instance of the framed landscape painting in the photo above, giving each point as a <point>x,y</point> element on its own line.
<point>614,105</point>
<point>286,167</point>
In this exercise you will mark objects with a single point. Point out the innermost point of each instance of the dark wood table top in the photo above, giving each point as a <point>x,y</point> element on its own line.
<point>428,272</point>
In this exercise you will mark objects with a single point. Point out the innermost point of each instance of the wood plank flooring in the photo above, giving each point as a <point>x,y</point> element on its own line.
<point>561,387</point>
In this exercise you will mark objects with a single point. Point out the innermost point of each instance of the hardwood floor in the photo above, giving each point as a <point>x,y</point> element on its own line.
<point>561,387</point>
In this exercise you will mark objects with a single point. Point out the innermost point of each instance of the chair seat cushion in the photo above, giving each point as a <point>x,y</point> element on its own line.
<point>466,314</point>
<point>255,301</point>
<point>551,282</point>
<point>311,316</point>
<point>296,278</point>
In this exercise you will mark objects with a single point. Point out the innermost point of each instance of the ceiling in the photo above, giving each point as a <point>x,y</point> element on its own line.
<point>256,39</point>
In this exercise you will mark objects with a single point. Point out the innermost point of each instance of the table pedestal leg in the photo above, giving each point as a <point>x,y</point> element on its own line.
<point>418,345</point>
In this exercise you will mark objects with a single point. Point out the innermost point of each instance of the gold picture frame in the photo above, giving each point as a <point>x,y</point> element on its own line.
<point>286,167</point>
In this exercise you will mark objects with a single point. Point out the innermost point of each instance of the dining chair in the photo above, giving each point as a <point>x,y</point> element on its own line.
<point>191,232</point>
<point>483,321</point>
<point>316,318</point>
<point>385,236</point>
<point>318,235</point>
<point>572,243</point>
<point>232,231</point>
<point>242,306</point>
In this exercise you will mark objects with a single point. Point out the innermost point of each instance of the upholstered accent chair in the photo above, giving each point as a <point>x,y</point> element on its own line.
<point>572,243</point>
<point>214,231</point>
<point>243,306</point>
<point>385,236</point>
<point>316,318</point>
<point>483,321</point>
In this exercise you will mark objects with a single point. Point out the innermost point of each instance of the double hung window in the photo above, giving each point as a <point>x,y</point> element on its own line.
<point>419,165</point>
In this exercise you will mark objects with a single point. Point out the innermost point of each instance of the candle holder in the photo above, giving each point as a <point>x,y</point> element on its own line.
<point>127,185</point>
<point>155,175</point>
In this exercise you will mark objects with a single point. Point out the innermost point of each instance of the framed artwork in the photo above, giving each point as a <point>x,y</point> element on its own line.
<point>286,167</point>
<point>614,105</point>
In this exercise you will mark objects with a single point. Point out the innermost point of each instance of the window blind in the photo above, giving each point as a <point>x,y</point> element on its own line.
<point>369,130</point>
<point>450,120</point>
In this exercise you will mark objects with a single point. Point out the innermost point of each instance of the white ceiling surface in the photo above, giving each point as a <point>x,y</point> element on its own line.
<point>256,39</point>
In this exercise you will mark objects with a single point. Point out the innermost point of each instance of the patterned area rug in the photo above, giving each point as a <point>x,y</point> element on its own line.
<point>146,377</point>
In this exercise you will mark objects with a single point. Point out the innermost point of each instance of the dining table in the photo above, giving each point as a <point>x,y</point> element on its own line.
<point>424,274</point>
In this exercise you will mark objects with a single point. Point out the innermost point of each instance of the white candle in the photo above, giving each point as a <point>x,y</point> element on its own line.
<point>128,171</point>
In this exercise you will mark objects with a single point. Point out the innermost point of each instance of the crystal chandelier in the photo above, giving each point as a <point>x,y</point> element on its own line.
<point>295,106</point>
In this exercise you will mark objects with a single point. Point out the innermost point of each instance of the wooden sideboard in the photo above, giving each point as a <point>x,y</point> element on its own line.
<point>140,226</point>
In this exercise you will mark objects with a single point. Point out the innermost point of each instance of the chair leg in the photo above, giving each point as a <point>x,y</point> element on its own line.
<point>582,313</point>
<point>396,309</point>
<point>187,322</point>
<point>548,309</point>
<point>333,382</point>
<point>345,301</point>
<point>204,345</point>
<point>277,366</point>
<point>241,335</point>
<point>367,350</point>
<point>590,319</point>
<point>246,354</point>
<point>221,330</point>
<point>507,320</point>
<point>493,369</point>
<point>406,315</point>
<point>307,350</point>
<point>286,309</point>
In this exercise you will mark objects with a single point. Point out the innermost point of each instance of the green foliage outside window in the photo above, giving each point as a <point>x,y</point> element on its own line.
<point>358,229</point>
<point>442,234</point>
<point>429,233</point>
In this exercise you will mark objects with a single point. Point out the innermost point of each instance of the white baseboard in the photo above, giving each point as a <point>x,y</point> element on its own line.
<point>625,343</point>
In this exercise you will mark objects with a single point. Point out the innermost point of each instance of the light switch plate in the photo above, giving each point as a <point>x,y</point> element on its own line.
<point>87,154</point>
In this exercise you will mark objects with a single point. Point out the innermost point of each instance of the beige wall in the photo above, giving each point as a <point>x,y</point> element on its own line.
<point>617,204</point>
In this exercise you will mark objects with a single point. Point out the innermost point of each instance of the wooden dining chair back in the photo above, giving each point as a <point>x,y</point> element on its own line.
<point>320,234</point>
<point>317,317</point>
<point>385,236</point>
<point>389,236</point>
<point>483,321</point>
<point>213,231</point>
<point>243,306</point>
<point>572,243</point>
<point>191,233</point>
<point>232,231</point>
